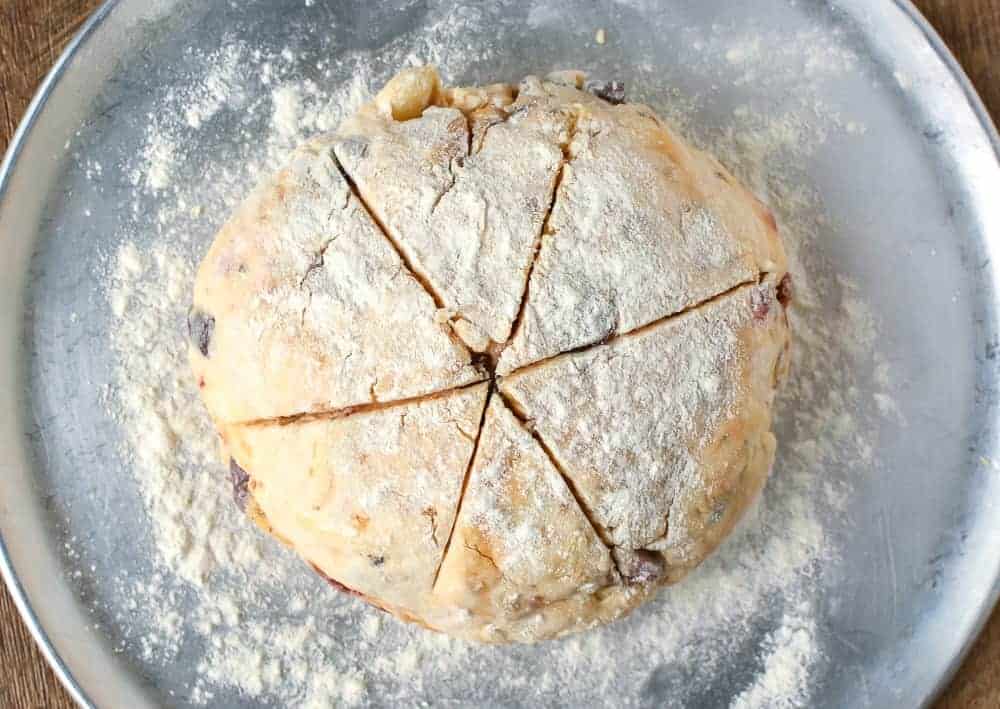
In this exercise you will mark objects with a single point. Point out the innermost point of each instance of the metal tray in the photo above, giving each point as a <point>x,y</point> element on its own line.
<point>911,216</point>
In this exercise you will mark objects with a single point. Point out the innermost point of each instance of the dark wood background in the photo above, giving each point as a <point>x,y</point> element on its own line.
<point>33,32</point>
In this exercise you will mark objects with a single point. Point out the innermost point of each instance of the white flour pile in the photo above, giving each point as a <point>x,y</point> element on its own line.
<point>249,615</point>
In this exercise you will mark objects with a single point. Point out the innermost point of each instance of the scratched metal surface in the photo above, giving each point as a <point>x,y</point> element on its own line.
<point>915,220</point>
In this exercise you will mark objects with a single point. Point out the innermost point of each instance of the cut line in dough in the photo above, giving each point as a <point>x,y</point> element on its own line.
<point>525,423</point>
<point>719,364</point>
<point>491,376</point>
<point>465,194</point>
<point>465,481</point>
<point>300,300</point>
<point>333,414</point>
<point>419,277</point>
<point>642,227</point>
<point>521,545</point>
<point>366,498</point>
<point>629,333</point>
<point>537,247</point>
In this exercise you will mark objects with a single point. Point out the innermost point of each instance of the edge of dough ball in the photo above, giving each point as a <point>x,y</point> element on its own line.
<point>581,611</point>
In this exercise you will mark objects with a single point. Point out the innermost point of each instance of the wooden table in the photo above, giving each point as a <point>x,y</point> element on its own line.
<point>33,32</point>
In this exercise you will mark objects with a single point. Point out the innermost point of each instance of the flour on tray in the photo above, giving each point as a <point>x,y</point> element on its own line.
<point>259,622</point>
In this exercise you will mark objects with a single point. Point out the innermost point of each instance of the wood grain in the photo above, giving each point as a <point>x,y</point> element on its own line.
<point>33,32</point>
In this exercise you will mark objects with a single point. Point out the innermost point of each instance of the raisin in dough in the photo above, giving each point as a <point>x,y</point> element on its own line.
<point>498,360</point>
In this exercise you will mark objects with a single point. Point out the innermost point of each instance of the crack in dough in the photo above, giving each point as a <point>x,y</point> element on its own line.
<point>525,422</point>
<point>615,335</point>
<point>413,271</point>
<point>537,246</point>
<point>332,414</point>
<point>521,543</point>
<point>465,483</point>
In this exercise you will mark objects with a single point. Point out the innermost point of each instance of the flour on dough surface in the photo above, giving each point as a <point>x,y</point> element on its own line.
<point>642,227</point>
<point>468,221</point>
<point>521,541</point>
<point>692,380</point>
<point>292,287</point>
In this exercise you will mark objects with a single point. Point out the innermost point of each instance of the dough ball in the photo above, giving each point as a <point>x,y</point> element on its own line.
<point>499,360</point>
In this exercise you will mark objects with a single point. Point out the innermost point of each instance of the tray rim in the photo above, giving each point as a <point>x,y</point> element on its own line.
<point>38,103</point>
<point>21,601</point>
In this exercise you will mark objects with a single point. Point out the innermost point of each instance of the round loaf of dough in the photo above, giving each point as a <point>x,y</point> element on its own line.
<point>498,360</point>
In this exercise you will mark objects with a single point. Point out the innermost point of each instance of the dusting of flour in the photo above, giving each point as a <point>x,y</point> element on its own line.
<point>247,615</point>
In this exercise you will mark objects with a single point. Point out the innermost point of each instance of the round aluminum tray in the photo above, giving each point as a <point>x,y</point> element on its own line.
<point>915,224</point>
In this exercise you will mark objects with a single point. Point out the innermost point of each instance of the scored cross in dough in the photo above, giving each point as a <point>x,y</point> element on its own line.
<point>467,222</point>
<point>369,499</point>
<point>665,433</point>
<point>642,228</point>
<point>521,543</point>
<point>304,306</point>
